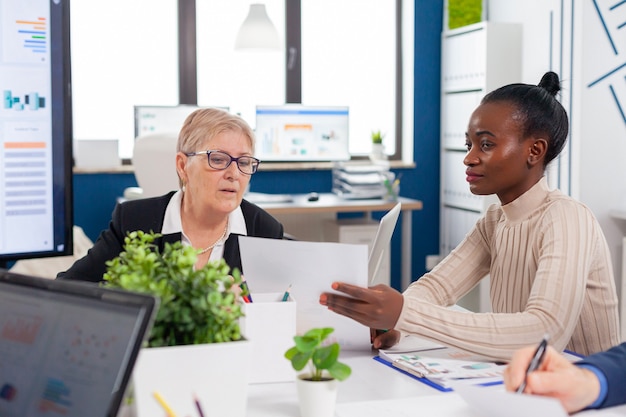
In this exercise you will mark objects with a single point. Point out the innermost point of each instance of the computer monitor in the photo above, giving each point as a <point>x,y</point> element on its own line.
<point>295,132</point>
<point>163,119</point>
<point>36,217</point>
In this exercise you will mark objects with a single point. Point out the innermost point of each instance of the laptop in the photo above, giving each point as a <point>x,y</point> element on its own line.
<point>381,242</point>
<point>67,348</point>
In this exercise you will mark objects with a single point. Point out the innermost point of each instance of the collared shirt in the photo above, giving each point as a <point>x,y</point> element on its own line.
<point>173,224</point>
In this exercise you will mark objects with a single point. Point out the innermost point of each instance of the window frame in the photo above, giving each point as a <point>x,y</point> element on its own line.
<point>187,61</point>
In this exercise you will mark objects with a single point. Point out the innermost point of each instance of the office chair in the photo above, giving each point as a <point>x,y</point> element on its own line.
<point>154,158</point>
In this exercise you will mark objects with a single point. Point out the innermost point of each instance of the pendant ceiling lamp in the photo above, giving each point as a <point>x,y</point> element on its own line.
<point>257,31</point>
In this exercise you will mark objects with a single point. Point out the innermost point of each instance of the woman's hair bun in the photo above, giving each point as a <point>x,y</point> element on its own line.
<point>550,82</point>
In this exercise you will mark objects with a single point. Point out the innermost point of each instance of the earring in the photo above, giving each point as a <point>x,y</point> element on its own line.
<point>183,188</point>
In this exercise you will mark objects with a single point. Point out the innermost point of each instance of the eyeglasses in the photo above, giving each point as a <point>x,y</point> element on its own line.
<point>221,160</point>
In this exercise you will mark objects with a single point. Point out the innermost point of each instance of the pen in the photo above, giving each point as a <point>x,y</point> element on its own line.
<point>286,294</point>
<point>534,362</point>
<point>244,286</point>
<point>198,406</point>
<point>166,407</point>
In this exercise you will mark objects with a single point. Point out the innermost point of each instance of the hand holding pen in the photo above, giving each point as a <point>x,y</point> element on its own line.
<point>534,362</point>
<point>576,387</point>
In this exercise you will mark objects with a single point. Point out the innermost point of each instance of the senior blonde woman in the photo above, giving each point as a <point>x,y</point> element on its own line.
<point>214,162</point>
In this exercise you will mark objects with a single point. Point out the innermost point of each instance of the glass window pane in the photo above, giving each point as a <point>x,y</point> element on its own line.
<point>237,79</point>
<point>349,58</point>
<point>123,53</point>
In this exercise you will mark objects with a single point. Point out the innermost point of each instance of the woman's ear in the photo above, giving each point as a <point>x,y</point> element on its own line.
<point>181,168</point>
<point>538,149</point>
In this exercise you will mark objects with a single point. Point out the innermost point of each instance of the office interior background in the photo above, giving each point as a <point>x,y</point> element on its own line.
<point>126,53</point>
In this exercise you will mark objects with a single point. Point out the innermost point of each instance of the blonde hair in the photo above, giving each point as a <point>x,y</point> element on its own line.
<point>204,124</point>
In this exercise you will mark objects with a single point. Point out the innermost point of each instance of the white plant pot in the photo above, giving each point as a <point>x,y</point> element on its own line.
<point>216,374</point>
<point>316,398</point>
<point>378,152</point>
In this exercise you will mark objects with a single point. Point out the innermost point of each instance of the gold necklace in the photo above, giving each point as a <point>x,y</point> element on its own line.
<point>208,248</point>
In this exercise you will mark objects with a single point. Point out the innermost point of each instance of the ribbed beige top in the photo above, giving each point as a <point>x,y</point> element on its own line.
<point>550,272</point>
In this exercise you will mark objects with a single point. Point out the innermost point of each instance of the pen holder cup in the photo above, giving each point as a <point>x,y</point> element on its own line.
<point>270,325</point>
<point>215,373</point>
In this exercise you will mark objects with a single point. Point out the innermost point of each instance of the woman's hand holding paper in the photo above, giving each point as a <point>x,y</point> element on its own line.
<point>377,307</point>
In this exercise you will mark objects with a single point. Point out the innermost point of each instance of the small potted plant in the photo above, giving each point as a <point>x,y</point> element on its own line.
<point>377,137</point>
<point>317,390</point>
<point>378,149</point>
<point>196,329</point>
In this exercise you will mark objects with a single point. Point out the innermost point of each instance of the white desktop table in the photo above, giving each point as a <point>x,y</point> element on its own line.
<point>333,204</point>
<point>371,381</point>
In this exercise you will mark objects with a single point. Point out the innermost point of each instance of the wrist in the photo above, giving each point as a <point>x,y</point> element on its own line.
<point>598,387</point>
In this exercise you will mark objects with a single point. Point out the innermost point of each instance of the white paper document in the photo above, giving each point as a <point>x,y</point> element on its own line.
<point>498,403</point>
<point>444,405</point>
<point>467,401</point>
<point>411,343</point>
<point>309,269</point>
<point>446,367</point>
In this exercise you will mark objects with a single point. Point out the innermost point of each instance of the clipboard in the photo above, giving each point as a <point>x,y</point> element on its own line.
<point>421,376</point>
<point>441,369</point>
<point>421,379</point>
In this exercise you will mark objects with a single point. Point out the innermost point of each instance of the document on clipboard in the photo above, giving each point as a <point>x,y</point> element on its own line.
<point>442,368</point>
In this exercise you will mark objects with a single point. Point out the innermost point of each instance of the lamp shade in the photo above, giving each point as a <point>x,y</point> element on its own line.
<point>257,31</point>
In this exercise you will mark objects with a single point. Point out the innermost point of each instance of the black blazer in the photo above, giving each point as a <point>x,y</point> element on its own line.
<point>147,215</point>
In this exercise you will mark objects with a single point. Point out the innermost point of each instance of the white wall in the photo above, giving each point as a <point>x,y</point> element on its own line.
<point>600,126</point>
<point>583,45</point>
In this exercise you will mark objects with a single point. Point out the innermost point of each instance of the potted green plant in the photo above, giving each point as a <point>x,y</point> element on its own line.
<point>196,329</point>
<point>377,137</point>
<point>317,390</point>
<point>378,149</point>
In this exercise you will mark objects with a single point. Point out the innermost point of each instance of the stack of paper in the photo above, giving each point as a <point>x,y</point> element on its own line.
<point>355,181</point>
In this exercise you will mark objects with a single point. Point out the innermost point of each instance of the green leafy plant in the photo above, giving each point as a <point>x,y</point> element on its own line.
<point>377,136</point>
<point>464,12</point>
<point>310,349</point>
<point>196,305</point>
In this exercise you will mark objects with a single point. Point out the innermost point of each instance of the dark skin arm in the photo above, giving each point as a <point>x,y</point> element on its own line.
<point>377,307</point>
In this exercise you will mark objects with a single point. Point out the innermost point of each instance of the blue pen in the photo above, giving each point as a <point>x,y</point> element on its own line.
<point>286,294</point>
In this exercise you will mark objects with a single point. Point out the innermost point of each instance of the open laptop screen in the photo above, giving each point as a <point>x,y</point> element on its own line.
<point>67,348</point>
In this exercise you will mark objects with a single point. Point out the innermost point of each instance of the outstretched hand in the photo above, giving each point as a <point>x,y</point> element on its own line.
<point>376,307</point>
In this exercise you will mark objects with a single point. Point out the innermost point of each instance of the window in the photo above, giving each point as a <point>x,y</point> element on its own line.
<point>349,58</point>
<point>122,59</point>
<point>236,79</point>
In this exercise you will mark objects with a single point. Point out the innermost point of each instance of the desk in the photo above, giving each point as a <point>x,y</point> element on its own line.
<point>370,380</point>
<point>329,203</point>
